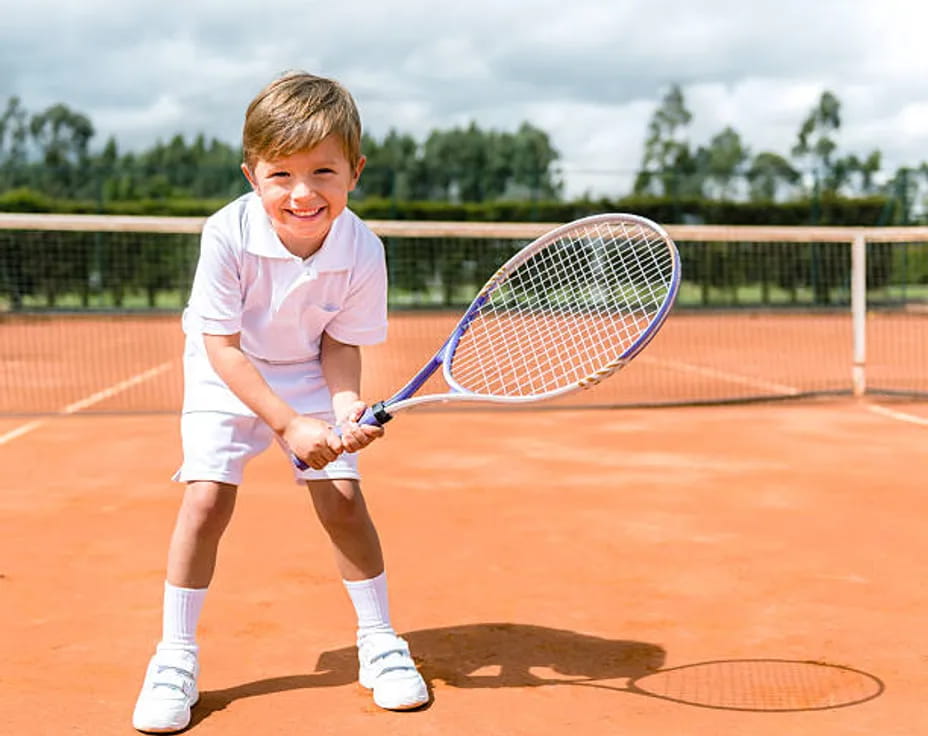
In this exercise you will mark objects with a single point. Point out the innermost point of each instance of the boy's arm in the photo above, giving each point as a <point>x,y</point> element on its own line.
<point>341,368</point>
<point>310,439</point>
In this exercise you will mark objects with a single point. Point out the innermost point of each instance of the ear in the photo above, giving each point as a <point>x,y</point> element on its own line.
<point>357,172</point>
<point>248,175</point>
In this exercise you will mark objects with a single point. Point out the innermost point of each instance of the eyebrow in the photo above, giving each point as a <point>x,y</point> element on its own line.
<point>280,164</point>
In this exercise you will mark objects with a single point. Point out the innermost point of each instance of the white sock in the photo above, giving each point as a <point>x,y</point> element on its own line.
<point>369,598</point>
<point>182,608</point>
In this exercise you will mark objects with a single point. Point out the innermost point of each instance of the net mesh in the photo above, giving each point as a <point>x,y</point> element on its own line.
<point>90,312</point>
<point>568,314</point>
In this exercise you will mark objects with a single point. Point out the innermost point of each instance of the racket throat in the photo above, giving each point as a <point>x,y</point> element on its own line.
<point>380,413</point>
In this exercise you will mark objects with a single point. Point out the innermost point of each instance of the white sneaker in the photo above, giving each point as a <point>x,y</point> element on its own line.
<point>168,693</point>
<point>386,667</point>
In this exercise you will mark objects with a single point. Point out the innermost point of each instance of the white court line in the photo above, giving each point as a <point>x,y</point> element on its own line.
<point>701,370</point>
<point>20,431</point>
<point>770,386</point>
<point>897,415</point>
<point>94,398</point>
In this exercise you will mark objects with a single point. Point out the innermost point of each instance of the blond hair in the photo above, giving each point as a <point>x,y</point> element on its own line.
<point>295,113</point>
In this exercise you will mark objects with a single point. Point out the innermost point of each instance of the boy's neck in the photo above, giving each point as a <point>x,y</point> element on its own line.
<point>301,250</point>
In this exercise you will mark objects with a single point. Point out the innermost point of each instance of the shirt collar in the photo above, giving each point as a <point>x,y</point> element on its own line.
<point>261,240</point>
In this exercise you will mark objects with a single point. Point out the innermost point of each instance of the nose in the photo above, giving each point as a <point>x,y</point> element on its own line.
<point>301,190</point>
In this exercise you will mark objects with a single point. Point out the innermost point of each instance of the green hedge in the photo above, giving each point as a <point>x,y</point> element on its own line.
<point>829,210</point>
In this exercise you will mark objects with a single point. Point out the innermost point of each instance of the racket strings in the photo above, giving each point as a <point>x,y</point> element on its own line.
<point>568,313</point>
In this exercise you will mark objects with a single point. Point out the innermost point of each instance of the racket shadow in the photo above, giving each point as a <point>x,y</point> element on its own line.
<point>755,685</point>
<point>483,655</point>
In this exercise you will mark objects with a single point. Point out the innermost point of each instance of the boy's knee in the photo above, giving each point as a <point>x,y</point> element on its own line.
<point>208,505</point>
<point>340,506</point>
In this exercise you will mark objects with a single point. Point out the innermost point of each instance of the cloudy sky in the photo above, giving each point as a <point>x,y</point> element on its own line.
<point>589,72</point>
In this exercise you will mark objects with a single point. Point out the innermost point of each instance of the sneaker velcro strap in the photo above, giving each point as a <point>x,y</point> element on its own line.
<point>172,677</point>
<point>396,658</point>
<point>402,651</point>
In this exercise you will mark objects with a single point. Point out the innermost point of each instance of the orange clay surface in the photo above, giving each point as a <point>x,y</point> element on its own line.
<point>539,562</point>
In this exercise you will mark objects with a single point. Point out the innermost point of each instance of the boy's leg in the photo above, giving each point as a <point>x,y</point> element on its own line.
<point>170,687</point>
<point>204,514</point>
<point>340,507</point>
<point>386,665</point>
<point>217,447</point>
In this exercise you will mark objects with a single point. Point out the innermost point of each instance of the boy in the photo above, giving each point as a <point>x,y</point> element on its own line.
<point>289,283</point>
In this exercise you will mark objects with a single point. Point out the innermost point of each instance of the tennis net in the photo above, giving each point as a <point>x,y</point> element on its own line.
<point>90,307</point>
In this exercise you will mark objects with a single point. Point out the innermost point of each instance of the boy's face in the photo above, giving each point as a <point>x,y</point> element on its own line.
<point>303,193</point>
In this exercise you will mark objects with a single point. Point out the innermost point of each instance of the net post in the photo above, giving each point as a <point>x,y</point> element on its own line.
<point>859,312</point>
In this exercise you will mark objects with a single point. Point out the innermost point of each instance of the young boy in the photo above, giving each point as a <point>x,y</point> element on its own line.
<point>289,283</point>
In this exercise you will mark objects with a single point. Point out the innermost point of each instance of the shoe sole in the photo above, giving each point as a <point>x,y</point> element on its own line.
<point>413,706</point>
<point>172,729</point>
<point>401,707</point>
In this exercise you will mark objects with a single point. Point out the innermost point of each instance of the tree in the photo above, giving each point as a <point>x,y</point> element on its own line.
<point>902,189</point>
<point>472,165</point>
<point>392,169</point>
<point>815,143</point>
<point>666,154</point>
<point>768,174</point>
<point>864,168</point>
<point>721,162</point>
<point>532,158</point>
<point>439,159</point>
<point>63,136</point>
<point>14,134</point>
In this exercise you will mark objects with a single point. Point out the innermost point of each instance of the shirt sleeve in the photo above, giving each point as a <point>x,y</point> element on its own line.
<point>362,320</point>
<point>216,297</point>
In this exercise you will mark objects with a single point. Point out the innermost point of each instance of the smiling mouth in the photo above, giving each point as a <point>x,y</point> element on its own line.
<point>306,214</point>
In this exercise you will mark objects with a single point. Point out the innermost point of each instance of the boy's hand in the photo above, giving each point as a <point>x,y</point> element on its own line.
<point>357,436</point>
<point>312,441</point>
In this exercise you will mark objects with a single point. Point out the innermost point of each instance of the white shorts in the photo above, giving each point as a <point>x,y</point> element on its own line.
<point>217,446</point>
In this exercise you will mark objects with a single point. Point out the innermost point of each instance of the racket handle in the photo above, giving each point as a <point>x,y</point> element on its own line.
<point>375,416</point>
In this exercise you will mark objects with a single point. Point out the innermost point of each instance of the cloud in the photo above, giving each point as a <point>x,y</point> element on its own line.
<point>590,72</point>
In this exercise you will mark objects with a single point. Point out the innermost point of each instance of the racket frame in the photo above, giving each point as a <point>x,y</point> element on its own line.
<point>382,411</point>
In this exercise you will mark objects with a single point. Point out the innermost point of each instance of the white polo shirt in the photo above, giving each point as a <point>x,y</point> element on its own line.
<point>247,282</point>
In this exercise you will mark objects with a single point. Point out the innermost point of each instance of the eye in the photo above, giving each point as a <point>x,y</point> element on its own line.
<point>325,170</point>
<point>278,174</point>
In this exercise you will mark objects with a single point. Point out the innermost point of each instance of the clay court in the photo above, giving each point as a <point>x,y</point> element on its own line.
<point>742,569</point>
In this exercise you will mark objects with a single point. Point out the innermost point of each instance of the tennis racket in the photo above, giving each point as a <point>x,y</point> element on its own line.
<point>567,311</point>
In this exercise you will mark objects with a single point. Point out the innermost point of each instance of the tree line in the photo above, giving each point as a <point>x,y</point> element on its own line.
<point>49,153</point>
<point>814,165</point>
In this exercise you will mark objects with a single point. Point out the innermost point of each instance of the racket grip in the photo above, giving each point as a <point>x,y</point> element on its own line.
<point>375,416</point>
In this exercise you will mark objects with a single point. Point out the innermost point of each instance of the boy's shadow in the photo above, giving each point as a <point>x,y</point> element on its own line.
<point>472,656</point>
